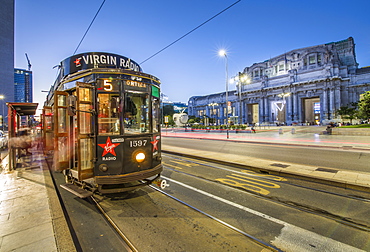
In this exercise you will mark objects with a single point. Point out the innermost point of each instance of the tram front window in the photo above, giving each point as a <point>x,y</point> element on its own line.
<point>136,109</point>
<point>108,116</point>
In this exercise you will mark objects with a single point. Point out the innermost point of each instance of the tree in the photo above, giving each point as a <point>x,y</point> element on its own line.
<point>364,106</point>
<point>347,112</point>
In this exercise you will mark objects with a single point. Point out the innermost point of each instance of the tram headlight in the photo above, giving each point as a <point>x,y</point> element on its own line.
<point>103,167</point>
<point>140,157</point>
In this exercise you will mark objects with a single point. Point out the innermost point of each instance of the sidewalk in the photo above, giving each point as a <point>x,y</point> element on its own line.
<point>308,136</point>
<point>346,179</point>
<point>31,217</point>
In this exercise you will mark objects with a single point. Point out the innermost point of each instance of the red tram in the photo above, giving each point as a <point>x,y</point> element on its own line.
<point>101,123</point>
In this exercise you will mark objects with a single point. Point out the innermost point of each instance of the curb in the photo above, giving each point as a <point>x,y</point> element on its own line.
<point>275,143</point>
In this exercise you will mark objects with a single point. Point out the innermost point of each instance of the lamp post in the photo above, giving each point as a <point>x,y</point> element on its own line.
<point>2,97</point>
<point>222,53</point>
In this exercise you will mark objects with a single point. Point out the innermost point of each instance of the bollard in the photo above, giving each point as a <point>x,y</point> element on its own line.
<point>293,130</point>
<point>280,131</point>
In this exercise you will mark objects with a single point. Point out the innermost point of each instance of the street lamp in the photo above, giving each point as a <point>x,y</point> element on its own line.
<point>222,53</point>
<point>2,97</point>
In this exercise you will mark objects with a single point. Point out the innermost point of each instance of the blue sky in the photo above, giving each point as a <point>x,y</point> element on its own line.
<point>250,32</point>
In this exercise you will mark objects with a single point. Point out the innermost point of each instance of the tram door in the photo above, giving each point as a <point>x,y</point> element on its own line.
<point>48,131</point>
<point>61,160</point>
<point>84,131</point>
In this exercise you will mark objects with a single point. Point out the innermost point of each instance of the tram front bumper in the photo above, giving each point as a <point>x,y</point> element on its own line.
<point>128,178</point>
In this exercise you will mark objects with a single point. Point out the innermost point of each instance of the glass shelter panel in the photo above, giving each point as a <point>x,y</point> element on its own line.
<point>108,116</point>
<point>136,117</point>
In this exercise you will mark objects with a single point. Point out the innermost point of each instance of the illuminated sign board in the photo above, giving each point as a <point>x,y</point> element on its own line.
<point>107,85</point>
<point>97,60</point>
<point>136,83</point>
<point>316,107</point>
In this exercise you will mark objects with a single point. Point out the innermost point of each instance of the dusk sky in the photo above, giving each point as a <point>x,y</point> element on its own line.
<point>250,32</point>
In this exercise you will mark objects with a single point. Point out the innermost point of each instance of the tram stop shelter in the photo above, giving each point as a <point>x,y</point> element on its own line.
<point>15,111</point>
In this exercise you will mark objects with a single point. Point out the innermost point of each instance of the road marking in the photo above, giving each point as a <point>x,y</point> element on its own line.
<point>181,163</point>
<point>253,184</point>
<point>273,177</point>
<point>246,186</point>
<point>173,166</point>
<point>291,238</point>
<point>259,182</point>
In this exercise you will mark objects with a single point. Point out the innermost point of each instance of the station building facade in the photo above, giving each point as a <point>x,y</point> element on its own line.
<point>306,85</point>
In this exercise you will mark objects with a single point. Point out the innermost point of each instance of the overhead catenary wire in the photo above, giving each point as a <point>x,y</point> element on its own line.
<point>190,31</point>
<point>89,26</point>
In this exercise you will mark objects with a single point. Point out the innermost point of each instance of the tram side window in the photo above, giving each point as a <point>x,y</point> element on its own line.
<point>108,116</point>
<point>155,115</point>
<point>136,109</point>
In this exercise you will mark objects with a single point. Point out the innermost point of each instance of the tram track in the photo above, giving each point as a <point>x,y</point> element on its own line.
<point>262,243</point>
<point>287,203</point>
<point>128,245</point>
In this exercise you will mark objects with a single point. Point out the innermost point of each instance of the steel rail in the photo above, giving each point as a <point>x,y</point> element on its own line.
<point>264,244</point>
<point>130,247</point>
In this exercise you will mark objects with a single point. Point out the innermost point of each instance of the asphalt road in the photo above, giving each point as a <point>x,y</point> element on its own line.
<point>291,215</point>
<point>344,159</point>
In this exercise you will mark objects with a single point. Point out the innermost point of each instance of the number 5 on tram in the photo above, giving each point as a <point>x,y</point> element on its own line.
<point>102,125</point>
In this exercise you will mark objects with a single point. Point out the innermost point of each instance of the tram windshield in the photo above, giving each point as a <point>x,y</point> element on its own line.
<point>136,113</point>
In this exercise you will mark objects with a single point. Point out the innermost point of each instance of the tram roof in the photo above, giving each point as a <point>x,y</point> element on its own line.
<point>24,108</point>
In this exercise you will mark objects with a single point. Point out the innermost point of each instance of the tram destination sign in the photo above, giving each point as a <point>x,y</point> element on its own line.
<point>97,60</point>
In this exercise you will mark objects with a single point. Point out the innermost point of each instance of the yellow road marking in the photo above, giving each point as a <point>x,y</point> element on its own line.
<point>244,185</point>
<point>182,163</point>
<point>273,177</point>
<point>254,181</point>
<point>173,166</point>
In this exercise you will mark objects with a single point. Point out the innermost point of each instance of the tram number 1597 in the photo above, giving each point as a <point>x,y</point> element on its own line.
<point>138,143</point>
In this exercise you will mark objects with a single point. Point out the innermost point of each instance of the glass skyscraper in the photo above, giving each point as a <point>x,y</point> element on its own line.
<point>6,56</point>
<point>23,85</point>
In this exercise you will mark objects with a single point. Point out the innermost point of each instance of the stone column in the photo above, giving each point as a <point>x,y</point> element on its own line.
<point>289,108</point>
<point>267,109</point>
<point>331,103</point>
<point>295,107</point>
<point>324,103</point>
<point>262,109</point>
<point>337,98</point>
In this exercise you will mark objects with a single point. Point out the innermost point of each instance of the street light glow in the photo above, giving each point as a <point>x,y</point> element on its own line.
<point>222,53</point>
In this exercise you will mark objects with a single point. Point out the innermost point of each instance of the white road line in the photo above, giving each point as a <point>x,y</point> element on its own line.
<point>291,238</point>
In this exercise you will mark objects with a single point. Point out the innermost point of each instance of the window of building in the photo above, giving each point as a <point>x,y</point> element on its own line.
<point>319,59</point>
<point>256,73</point>
<point>281,67</point>
<point>311,60</point>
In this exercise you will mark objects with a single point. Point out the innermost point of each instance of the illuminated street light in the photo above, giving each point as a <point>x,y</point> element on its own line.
<point>223,53</point>
<point>2,97</point>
